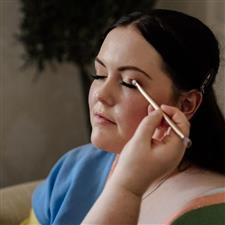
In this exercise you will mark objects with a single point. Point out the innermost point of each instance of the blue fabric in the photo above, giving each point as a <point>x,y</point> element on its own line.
<point>72,187</point>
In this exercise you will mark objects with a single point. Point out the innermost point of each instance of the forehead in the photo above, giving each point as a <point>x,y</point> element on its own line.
<point>125,45</point>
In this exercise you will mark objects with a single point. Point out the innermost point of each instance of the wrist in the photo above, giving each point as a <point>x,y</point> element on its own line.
<point>118,185</point>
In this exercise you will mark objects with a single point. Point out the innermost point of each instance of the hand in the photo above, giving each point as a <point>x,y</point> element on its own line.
<point>144,159</point>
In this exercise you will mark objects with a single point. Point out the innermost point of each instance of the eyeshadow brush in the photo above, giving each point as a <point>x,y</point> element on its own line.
<point>174,127</point>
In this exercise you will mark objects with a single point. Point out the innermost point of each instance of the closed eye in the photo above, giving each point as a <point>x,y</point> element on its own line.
<point>127,84</point>
<point>97,77</point>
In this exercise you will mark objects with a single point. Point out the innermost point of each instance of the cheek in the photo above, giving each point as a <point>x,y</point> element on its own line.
<point>91,96</point>
<point>162,94</point>
<point>131,114</point>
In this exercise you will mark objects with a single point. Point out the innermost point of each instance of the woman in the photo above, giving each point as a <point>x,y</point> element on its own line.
<point>150,177</point>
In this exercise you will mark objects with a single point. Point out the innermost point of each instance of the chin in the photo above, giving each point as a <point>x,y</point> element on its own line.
<point>108,146</point>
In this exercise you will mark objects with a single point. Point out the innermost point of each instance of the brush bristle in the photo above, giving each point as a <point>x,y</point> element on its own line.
<point>134,82</point>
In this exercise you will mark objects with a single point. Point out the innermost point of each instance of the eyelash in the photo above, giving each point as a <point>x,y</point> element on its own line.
<point>128,85</point>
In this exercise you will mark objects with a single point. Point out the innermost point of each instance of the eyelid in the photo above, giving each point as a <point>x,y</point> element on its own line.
<point>122,82</point>
<point>126,84</point>
<point>96,76</point>
<point>128,80</point>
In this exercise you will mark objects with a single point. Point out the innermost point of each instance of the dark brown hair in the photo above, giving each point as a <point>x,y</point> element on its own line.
<point>191,55</point>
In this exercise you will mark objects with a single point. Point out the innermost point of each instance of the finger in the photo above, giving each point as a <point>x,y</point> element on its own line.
<point>178,118</point>
<point>181,122</point>
<point>148,125</point>
<point>160,132</point>
<point>150,109</point>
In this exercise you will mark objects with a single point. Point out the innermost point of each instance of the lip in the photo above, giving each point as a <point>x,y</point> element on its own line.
<point>103,119</point>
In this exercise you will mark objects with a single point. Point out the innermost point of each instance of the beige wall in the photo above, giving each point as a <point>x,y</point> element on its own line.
<point>40,118</point>
<point>211,12</point>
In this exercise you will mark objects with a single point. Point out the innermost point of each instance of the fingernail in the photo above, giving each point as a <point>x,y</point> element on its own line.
<point>168,131</point>
<point>150,109</point>
<point>163,106</point>
<point>155,112</point>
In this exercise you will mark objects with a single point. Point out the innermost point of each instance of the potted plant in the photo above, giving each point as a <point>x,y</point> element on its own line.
<point>56,31</point>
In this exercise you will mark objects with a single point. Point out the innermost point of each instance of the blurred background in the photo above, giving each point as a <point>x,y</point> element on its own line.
<point>46,53</point>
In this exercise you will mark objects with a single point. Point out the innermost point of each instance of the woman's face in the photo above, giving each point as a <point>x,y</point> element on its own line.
<point>115,109</point>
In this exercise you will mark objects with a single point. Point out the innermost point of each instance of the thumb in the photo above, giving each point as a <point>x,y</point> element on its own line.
<point>148,125</point>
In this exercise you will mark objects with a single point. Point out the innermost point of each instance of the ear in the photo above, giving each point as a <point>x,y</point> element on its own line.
<point>189,102</point>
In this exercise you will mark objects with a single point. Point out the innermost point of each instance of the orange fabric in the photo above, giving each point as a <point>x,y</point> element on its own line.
<point>199,202</point>
<point>205,201</point>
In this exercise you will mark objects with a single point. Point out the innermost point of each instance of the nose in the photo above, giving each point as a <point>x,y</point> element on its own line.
<point>105,93</point>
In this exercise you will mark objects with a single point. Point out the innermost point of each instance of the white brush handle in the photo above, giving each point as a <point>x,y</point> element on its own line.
<point>174,127</point>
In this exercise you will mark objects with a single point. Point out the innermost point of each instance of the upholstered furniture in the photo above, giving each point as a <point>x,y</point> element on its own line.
<point>15,203</point>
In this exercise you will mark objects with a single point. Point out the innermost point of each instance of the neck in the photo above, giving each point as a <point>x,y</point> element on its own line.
<point>158,182</point>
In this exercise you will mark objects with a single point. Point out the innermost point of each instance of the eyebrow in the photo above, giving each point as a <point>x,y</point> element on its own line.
<point>123,68</point>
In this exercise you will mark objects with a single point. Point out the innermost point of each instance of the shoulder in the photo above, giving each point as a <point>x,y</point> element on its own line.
<point>81,151</point>
<point>78,159</point>
<point>75,160</point>
<point>70,172</point>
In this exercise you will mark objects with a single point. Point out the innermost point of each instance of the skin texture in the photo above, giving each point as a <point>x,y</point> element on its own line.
<point>140,163</point>
<point>125,107</point>
<point>123,122</point>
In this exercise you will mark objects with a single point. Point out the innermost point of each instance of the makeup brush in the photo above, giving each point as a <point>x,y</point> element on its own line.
<point>174,127</point>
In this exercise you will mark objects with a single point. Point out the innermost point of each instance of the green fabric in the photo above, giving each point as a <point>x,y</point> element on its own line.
<point>208,215</point>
